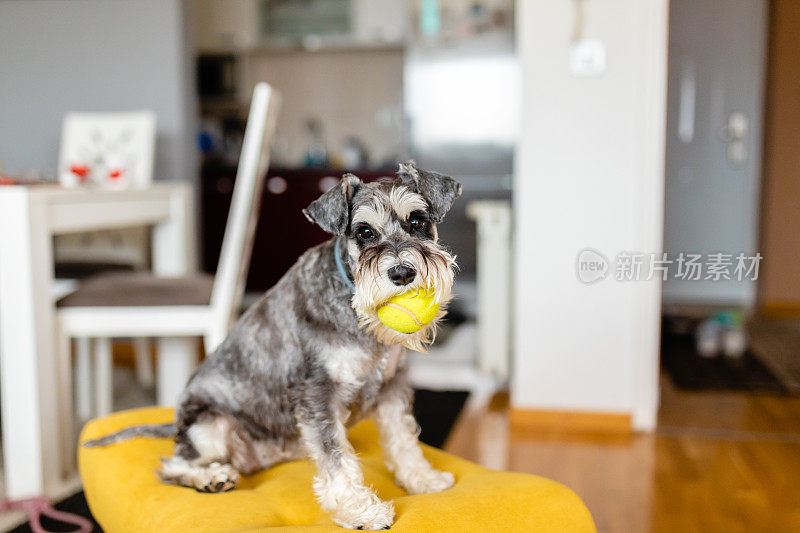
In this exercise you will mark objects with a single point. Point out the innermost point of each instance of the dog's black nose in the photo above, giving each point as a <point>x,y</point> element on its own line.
<point>402,275</point>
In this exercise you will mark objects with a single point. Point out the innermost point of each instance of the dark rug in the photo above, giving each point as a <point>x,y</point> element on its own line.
<point>435,411</point>
<point>690,371</point>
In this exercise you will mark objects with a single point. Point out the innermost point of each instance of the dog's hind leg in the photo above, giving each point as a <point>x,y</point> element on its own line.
<point>202,457</point>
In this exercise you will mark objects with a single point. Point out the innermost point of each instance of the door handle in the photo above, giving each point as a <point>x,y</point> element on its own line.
<point>735,134</point>
<point>688,100</point>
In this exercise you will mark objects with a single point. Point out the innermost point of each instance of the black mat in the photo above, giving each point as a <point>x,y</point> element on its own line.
<point>435,411</point>
<point>690,371</point>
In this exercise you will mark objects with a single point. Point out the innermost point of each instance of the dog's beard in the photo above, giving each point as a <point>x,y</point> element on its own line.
<point>435,271</point>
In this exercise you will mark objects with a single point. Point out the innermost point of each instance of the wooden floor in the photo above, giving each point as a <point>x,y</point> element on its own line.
<point>718,462</point>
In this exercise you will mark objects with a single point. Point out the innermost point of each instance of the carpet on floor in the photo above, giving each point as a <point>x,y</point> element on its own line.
<point>436,412</point>
<point>776,342</point>
<point>691,371</point>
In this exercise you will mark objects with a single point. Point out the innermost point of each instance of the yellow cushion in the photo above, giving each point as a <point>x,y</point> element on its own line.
<point>125,495</point>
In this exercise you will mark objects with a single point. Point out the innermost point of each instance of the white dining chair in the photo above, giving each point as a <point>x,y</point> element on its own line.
<point>174,310</point>
<point>108,150</point>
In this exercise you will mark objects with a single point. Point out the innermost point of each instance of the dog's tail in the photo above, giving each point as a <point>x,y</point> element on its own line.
<point>159,431</point>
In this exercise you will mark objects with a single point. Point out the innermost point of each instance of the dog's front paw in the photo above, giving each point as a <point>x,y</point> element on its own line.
<point>425,481</point>
<point>377,515</point>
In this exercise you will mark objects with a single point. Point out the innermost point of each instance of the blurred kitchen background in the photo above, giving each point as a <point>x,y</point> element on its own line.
<point>366,84</point>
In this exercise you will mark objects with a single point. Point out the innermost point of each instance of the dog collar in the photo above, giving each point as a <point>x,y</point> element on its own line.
<point>337,255</point>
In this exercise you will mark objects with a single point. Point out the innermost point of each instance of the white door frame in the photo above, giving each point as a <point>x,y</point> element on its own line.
<point>654,107</point>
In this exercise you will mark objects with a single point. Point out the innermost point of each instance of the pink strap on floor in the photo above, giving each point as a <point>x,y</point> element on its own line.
<point>40,506</point>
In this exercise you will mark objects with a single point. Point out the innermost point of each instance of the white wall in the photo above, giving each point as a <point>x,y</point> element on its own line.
<point>94,55</point>
<point>589,173</point>
<point>353,93</point>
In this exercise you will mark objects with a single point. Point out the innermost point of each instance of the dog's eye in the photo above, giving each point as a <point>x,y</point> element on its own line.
<point>365,233</point>
<point>416,221</point>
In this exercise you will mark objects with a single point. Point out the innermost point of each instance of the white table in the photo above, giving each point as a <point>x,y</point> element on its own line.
<point>30,376</point>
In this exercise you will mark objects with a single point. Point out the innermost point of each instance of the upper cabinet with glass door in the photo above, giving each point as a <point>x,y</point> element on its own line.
<point>244,25</point>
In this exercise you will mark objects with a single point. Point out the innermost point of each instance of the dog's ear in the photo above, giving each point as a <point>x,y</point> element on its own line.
<point>331,211</point>
<point>438,190</point>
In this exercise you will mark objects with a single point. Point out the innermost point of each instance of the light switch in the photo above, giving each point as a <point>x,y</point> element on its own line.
<point>587,57</point>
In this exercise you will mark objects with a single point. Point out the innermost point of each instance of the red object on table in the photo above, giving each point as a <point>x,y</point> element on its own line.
<point>82,171</point>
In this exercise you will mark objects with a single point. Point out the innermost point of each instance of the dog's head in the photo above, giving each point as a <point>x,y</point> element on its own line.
<point>392,242</point>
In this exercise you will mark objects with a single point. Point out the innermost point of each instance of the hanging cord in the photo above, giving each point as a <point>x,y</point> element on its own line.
<point>40,506</point>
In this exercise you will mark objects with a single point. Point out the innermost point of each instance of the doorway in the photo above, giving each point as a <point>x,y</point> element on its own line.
<point>728,115</point>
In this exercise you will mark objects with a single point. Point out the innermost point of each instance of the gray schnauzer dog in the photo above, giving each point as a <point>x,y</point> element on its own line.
<point>311,358</point>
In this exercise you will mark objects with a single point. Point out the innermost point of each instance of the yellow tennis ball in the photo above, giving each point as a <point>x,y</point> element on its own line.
<point>409,312</point>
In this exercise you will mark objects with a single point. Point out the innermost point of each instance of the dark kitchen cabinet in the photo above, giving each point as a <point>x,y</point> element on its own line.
<point>283,232</point>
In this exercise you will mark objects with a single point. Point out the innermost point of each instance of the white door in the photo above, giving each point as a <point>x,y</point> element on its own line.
<point>713,159</point>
